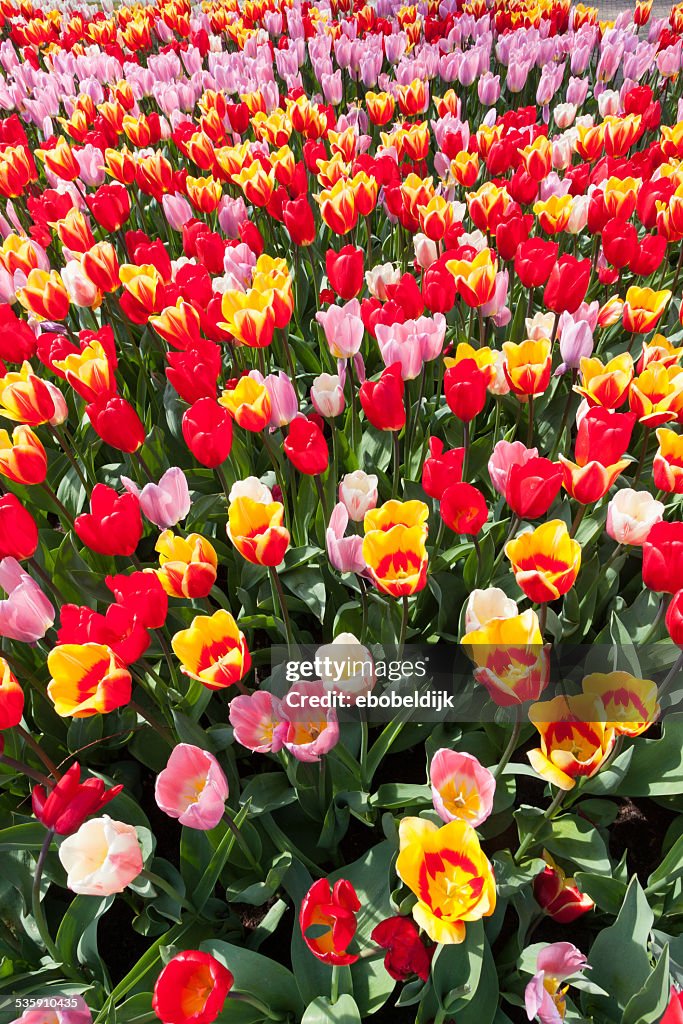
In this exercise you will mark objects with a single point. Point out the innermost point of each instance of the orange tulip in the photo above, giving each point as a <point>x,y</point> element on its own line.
<point>249,316</point>
<point>575,739</point>
<point>643,308</point>
<point>667,469</point>
<point>22,457</point>
<point>187,564</point>
<point>87,679</point>
<point>26,398</point>
<point>248,403</point>
<point>554,213</point>
<point>656,395</point>
<point>101,266</point>
<point>338,207</point>
<point>527,367</point>
<point>475,279</point>
<point>213,650</point>
<point>545,561</point>
<point>89,371</point>
<point>606,384</point>
<point>45,295</point>
<point>178,325</point>
<point>60,160</point>
<point>257,532</point>
<point>394,547</point>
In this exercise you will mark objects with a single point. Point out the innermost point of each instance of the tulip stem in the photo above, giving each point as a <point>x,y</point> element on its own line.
<point>404,626</point>
<point>38,751</point>
<point>334,985</point>
<point>24,769</point>
<point>530,428</point>
<point>671,675</point>
<point>37,907</point>
<point>160,729</point>
<point>220,473</point>
<point>64,445</point>
<point>241,841</point>
<point>323,499</point>
<point>282,601</point>
<point>657,619</point>
<point>143,465</point>
<point>548,816</point>
<point>397,463</point>
<point>576,522</point>
<point>244,997</point>
<point>62,508</point>
<point>364,608</point>
<point>50,584</point>
<point>643,453</point>
<point>509,750</point>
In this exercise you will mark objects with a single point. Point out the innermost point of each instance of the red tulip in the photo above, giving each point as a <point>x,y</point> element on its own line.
<point>463,508</point>
<point>465,389</point>
<point>207,431</point>
<point>560,896</point>
<point>674,618</point>
<point>663,558</point>
<point>70,801</point>
<point>118,628</point>
<point>567,285</point>
<point>674,1011</point>
<point>191,989</point>
<point>441,468</point>
<point>531,487</point>
<point>114,524</point>
<point>382,400</point>
<point>18,530</point>
<point>333,909</point>
<point>438,289</point>
<point>306,447</point>
<point>297,217</point>
<point>143,595</point>
<point>194,371</point>
<point>344,271</point>
<point>648,255</point>
<point>406,953</point>
<point>110,206</point>
<point>116,422</point>
<point>619,242</point>
<point>534,261</point>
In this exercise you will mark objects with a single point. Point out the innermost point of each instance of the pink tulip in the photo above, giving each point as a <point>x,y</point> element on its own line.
<point>311,730</point>
<point>78,1014</point>
<point>26,614</point>
<point>358,493</point>
<point>192,788</point>
<point>462,789</point>
<point>327,395</point>
<point>345,553</point>
<point>554,964</point>
<point>257,721</point>
<point>343,328</point>
<point>165,504</point>
<point>412,343</point>
<point>177,210</point>
<point>102,858</point>
<point>283,401</point>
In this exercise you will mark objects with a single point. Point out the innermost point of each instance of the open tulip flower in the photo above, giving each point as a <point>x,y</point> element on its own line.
<point>341,511</point>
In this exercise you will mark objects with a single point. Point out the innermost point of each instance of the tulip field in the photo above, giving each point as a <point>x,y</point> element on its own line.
<point>341,493</point>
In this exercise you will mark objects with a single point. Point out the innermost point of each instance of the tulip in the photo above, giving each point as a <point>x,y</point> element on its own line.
<point>87,679</point>
<point>450,875</point>
<point>485,605</point>
<point>668,463</point>
<point>192,788</point>
<point>115,421</point>
<point>663,558</point>
<point>114,524</point>
<point>656,395</point>
<point>306,447</point>
<point>567,284</point>
<point>631,515</point>
<point>358,493</point>
<point>344,553</point>
<point>26,614</point>
<point>257,532</point>
<point>90,372</point>
<point>394,547</point>
<point>165,504</point>
<point>44,295</point>
<point>11,698</point>
<point>462,789</point>
<point>213,650</point>
<point>575,738</point>
<point>411,343</point>
<point>306,733</point>
<point>558,895</point>
<point>191,989</point>
<point>257,721</point>
<point>382,400</point>
<point>284,404</point>
<point>673,619</point>
<point>465,389</point>
<point>511,661</point>
<point>332,909</point>
<point>534,260</point>
<point>630,703</point>
<point>643,309</point>
<point>576,342</point>
<point>674,1011</point>
<point>463,508</point>
<point>441,468</point>
<point>475,279</point>
<point>607,384</point>
<point>22,457</point>
<point>345,271</point>
<point>27,399</point>
<point>406,953</point>
<point>327,395</point>
<point>187,564</point>
<point>207,432</point>
<point>527,367</point>
<point>545,561</point>
<point>602,438</point>
<point>543,997</point>
<point>18,530</point>
<point>532,486</point>
<point>248,402</point>
<point>343,328</point>
<point>102,857</point>
<point>70,801</point>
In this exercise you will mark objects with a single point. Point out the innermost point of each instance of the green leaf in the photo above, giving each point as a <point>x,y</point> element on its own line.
<point>208,880</point>
<point>510,877</point>
<point>268,792</point>
<point>259,975</point>
<point>77,935</point>
<point>656,767</point>
<point>577,840</point>
<point>648,1005</point>
<point>619,956</point>
<point>322,1011</point>
<point>669,870</point>
<point>22,837</point>
<point>606,892</point>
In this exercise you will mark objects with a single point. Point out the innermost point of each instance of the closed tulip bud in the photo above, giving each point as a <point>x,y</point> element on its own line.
<point>465,389</point>
<point>165,503</point>
<point>358,492</point>
<point>305,447</point>
<point>101,266</point>
<point>463,508</point>
<point>256,529</point>
<point>663,558</point>
<point>631,515</point>
<point>116,422</point>
<point>191,989</point>
<point>102,857</point>
<point>45,295</point>
<point>297,217</point>
<point>114,524</point>
<point>207,431</point>
<point>18,530</point>
<point>441,468</point>
<point>567,284</point>
<point>110,206</point>
<point>11,698</point>
<point>345,553</point>
<point>327,395</point>
<point>382,400</point>
<point>284,404</point>
<point>344,271</point>
<point>558,895</point>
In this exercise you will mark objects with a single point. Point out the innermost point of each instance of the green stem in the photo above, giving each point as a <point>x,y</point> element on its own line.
<point>36,904</point>
<point>548,816</point>
<point>282,601</point>
<point>241,841</point>
<point>404,626</point>
<point>509,750</point>
<point>334,985</point>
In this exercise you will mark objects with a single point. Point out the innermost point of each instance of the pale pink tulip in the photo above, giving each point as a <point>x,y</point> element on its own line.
<point>165,504</point>
<point>358,493</point>
<point>311,730</point>
<point>192,788</point>
<point>102,858</point>
<point>462,789</point>
<point>345,553</point>
<point>26,614</point>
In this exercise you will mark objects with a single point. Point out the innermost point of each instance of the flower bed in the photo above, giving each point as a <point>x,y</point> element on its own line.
<point>340,524</point>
